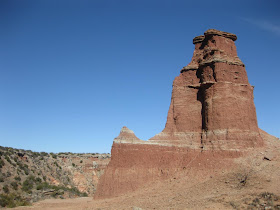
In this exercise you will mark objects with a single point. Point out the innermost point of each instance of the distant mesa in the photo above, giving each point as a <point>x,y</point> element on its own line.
<point>211,119</point>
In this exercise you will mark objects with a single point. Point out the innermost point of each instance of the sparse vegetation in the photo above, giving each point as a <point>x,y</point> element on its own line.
<point>1,163</point>
<point>29,176</point>
<point>265,200</point>
<point>14,185</point>
<point>17,178</point>
<point>12,200</point>
<point>6,189</point>
<point>53,155</point>
<point>7,158</point>
<point>28,184</point>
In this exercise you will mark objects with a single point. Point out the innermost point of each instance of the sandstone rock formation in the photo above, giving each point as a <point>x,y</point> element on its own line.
<point>211,119</point>
<point>212,101</point>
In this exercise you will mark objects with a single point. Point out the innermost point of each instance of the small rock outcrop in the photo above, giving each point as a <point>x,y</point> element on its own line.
<point>211,119</point>
<point>126,136</point>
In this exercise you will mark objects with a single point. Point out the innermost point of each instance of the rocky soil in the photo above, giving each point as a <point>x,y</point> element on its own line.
<point>27,176</point>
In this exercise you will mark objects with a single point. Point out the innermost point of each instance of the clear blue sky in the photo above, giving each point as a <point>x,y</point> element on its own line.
<point>72,73</point>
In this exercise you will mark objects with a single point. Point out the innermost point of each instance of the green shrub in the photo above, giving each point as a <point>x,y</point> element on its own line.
<point>53,155</point>
<point>14,185</point>
<point>38,180</point>
<point>8,159</point>
<point>43,186</point>
<point>35,154</point>
<point>12,200</point>
<point>28,184</point>
<point>84,194</point>
<point>1,163</point>
<point>17,178</point>
<point>6,189</point>
<point>26,171</point>
<point>44,154</point>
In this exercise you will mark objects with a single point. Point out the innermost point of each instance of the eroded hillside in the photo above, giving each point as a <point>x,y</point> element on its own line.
<point>27,176</point>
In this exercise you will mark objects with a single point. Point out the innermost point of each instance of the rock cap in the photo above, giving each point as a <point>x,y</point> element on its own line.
<point>214,32</point>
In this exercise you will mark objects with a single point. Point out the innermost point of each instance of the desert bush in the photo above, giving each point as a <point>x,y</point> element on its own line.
<point>35,154</point>
<point>17,178</point>
<point>12,200</point>
<point>14,185</point>
<point>38,180</point>
<point>43,186</point>
<point>53,155</point>
<point>28,184</point>
<point>44,154</point>
<point>1,163</point>
<point>6,189</point>
<point>7,158</point>
<point>26,171</point>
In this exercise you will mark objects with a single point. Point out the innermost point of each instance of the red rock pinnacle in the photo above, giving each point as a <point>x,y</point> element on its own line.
<point>212,101</point>
<point>212,117</point>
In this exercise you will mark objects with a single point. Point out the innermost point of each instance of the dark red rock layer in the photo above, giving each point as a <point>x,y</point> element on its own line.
<point>211,119</point>
<point>133,166</point>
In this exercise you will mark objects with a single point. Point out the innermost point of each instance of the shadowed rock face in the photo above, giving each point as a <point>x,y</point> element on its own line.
<point>211,118</point>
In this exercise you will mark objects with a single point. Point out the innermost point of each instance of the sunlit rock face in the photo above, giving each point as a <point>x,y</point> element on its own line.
<point>211,118</point>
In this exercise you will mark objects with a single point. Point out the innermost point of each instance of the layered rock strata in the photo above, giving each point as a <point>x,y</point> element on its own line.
<point>212,102</point>
<point>211,118</point>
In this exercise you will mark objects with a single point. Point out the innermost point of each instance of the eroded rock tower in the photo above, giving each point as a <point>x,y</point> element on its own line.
<point>211,117</point>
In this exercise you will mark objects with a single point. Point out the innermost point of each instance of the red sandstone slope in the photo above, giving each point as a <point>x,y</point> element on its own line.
<point>211,120</point>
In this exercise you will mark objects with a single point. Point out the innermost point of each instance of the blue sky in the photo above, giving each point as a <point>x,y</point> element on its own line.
<point>72,73</point>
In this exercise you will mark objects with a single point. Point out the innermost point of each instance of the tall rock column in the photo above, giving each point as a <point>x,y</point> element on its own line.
<point>212,101</point>
<point>211,119</point>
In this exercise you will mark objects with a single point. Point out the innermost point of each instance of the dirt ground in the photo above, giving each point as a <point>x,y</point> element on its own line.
<point>253,183</point>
